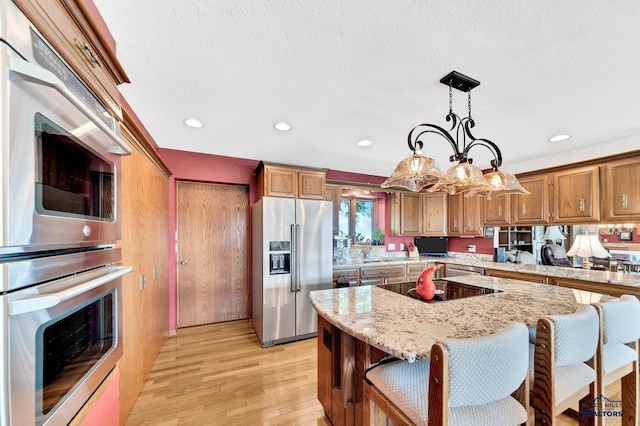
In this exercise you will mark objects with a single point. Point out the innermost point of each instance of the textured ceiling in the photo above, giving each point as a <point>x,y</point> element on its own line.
<point>341,71</point>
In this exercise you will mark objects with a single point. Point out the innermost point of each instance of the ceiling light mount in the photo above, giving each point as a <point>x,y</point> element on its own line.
<point>418,171</point>
<point>459,81</point>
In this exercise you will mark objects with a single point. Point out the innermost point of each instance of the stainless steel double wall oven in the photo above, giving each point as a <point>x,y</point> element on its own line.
<point>60,269</point>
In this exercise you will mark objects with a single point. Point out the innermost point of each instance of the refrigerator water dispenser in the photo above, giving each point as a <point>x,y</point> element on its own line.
<point>279,263</point>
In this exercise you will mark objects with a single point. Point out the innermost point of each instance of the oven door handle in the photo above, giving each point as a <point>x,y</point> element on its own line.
<point>45,301</point>
<point>42,76</point>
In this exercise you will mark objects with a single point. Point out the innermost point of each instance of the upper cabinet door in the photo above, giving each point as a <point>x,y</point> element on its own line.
<point>576,195</point>
<point>456,214</point>
<point>280,182</point>
<point>311,184</point>
<point>472,211</point>
<point>410,214</point>
<point>434,214</point>
<point>498,211</point>
<point>333,193</point>
<point>533,208</point>
<point>621,201</point>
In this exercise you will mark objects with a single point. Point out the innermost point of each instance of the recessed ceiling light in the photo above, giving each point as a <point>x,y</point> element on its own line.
<point>282,126</point>
<point>192,122</point>
<point>559,138</point>
<point>364,142</point>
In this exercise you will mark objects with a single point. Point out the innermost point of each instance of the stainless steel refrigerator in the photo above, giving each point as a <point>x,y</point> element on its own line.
<point>292,254</point>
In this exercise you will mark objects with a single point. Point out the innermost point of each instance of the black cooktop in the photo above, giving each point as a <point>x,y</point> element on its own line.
<point>409,289</point>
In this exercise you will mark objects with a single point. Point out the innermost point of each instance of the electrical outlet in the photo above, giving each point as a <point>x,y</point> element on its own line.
<point>391,247</point>
<point>472,248</point>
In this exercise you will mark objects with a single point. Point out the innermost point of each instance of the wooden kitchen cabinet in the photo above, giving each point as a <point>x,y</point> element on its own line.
<point>352,274</point>
<point>464,216</point>
<point>405,210</point>
<point>497,211</point>
<point>458,291</point>
<point>412,214</point>
<point>434,214</point>
<point>145,244</point>
<point>283,181</point>
<point>333,193</point>
<point>70,28</point>
<point>414,270</point>
<point>374,275</point>
<point>576,195</point>
<point>532,209</point>
<point>621,200</point>
<point>540,279</point>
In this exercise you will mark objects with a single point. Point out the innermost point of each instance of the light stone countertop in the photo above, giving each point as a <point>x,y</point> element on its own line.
<point>606,277</point>
<point>407,328</point>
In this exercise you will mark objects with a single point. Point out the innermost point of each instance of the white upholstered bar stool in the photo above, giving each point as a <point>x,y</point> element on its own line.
<point>465,382</point>
<point>618,353</point>
<point>562,362</point>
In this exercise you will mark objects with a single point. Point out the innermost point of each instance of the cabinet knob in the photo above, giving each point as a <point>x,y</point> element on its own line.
<point>183,262</point>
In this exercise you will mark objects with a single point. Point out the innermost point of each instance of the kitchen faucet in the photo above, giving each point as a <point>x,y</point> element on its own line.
<point>367,248</point>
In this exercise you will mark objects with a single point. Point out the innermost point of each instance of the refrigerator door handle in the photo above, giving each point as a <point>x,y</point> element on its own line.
<point>294,265</point>
<point>298,254</point>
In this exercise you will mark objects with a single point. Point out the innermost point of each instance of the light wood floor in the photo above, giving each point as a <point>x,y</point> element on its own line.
<point>220,375</point>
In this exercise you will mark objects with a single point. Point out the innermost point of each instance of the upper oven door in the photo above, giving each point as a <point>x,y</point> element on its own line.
<point>61,164</point>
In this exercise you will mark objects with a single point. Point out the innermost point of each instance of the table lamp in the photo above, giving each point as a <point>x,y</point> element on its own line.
<point>553,233</point>
<point>585,246</point>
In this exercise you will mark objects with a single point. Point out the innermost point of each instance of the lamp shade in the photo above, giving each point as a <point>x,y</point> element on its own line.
<point>414,173</point>
<point>553,233</point>
<point>500,183</point>
<point>462,177</point>
<point>587,245</point>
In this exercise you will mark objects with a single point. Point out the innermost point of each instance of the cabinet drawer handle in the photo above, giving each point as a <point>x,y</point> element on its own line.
<point>624,201</point>
<point>581,204</point>
<point>86,51</point>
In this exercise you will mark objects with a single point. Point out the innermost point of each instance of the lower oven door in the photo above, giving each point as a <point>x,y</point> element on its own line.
<point>64,337</point>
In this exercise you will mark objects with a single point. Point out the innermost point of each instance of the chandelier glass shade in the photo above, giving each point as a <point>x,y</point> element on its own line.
<point>464,177</point>
<point>414,173</point>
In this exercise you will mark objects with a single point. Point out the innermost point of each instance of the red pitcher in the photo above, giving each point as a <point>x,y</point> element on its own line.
<point>425,285</point>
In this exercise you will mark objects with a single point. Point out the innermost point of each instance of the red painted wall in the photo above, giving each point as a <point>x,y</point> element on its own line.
<point>483,245</point>
<point>106,411</point>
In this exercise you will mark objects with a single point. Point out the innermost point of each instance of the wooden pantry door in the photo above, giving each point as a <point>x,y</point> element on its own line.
<point>213,240</point>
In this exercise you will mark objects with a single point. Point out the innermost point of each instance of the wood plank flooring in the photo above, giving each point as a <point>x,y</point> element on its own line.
<point>220,375</point>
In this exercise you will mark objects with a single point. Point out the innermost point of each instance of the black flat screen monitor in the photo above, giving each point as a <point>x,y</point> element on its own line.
<point>432,246</point>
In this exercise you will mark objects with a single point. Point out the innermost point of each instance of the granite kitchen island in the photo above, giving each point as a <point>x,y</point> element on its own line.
<point>359,326</point>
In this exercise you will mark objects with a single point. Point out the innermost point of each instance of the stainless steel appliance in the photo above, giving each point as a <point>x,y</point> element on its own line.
<point>60,149</point>
<point>60,272</point>
<point>61,333</point>
<point>292,252</point>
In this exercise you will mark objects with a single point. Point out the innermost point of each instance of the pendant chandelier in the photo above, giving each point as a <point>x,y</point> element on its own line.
<point>417,171</point>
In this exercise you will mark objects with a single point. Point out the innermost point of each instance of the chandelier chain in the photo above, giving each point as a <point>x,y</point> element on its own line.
<point>469,102</point>
<point>450,100</point>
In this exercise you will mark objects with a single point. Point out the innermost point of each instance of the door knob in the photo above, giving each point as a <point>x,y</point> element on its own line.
<point>183,262</point>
